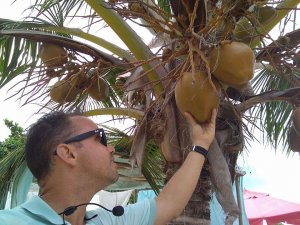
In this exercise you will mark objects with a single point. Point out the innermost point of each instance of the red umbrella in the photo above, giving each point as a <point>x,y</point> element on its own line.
<point>261,206</point>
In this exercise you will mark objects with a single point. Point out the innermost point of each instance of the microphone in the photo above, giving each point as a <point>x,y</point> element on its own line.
<point>116,211</point>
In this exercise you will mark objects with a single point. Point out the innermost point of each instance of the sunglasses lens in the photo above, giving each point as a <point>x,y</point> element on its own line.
<point>102,138</point>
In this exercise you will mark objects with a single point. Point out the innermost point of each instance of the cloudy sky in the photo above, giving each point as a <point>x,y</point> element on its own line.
<point>266,170</point>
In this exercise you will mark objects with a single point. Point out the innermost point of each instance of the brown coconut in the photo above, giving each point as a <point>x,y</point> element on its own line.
<point>79,80</point>
<point>294,139</point>
<point>99,89</point>
<point>232,63</point>
<point>136,7</point>
<point>63,91</point>
<point>196,95</point>
<point>53,55</point>
<point>296,119</point>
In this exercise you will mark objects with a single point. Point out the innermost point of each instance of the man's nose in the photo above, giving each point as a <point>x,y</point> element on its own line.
<point>110,148</point>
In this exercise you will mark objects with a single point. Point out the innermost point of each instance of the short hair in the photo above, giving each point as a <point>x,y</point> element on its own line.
<point>43,138</point>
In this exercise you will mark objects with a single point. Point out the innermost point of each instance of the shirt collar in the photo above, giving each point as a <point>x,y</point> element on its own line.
<point>39,207</point>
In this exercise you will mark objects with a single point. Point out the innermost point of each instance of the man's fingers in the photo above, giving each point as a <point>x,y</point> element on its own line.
<point>213,116</point>
<point>192,120</point>
<point>189,118</point>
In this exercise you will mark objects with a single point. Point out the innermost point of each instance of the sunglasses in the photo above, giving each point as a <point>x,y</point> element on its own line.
<point>99,132</point>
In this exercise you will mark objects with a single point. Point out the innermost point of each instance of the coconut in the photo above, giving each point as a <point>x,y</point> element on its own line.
<point>99,90</point>
<point>294,139</point>
<point>244,31</point>
<point>296,119</point>
<point>266,14</point>
<point>194,93</point>
<point>63,91</point>
<point>232,63</point>
<point>136,7</point>
<point>53,55</point>
<point>79,80</point>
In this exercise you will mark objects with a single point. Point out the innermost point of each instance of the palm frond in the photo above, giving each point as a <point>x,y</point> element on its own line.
<point>21,183</point>
<point>66,42</point>
<point>164,5</point>
<point>35,84</point>
<point>153,161</point>
<point>56,12</point>
<point>9,170</point>
<point>152,166</point>
<point>274,117</point>
<point>16,58</point>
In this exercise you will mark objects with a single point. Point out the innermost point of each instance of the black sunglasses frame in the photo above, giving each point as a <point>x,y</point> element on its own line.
<point>99,131</point>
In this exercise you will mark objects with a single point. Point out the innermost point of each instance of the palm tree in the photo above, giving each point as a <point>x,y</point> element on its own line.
<point>49,57</point>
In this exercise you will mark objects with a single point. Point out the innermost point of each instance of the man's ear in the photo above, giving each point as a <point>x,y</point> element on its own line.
<point>67,153</point>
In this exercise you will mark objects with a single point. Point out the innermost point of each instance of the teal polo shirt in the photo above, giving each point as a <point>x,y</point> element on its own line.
<point>37,212</point>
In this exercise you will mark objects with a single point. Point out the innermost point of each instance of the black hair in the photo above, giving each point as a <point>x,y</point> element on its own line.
<point>42,140</point>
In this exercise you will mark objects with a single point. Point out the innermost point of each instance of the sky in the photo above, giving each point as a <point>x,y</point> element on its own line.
<point>266,170</point>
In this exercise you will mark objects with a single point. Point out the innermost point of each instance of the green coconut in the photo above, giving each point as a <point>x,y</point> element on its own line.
<point>232,63</point>
<point>244,31</point>
<point>196,94</point>
<point>99,89</point>
<point>63,91</point>
<point>266,14</point>
<point>53,55</point>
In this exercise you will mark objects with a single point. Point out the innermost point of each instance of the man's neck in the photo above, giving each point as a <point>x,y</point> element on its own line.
<point>61,198</point>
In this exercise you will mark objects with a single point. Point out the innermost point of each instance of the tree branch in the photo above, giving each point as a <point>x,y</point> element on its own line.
<point>290,95</point>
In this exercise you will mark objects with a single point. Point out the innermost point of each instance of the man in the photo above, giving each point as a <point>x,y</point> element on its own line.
<point>69,156</point>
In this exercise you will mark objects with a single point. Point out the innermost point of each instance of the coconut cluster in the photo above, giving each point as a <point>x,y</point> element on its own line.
<point>68,88</point>
<point>246,30</point>
<point>231,65</point>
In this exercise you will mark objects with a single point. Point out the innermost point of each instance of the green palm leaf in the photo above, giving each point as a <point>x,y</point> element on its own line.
<point>9,171</point>
<point>37,79</point>
<point>274,117</point>
<point>55,11</point>
<point>153,161</point>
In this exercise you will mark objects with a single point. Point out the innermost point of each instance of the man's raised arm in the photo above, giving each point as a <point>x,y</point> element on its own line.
<point>177,192</point>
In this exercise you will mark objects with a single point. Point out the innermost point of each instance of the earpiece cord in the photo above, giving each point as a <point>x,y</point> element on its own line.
<point>116,211</point>
<point>71,209</point>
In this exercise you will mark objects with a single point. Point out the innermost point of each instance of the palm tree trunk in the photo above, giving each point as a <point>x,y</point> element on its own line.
<point>197,210</point>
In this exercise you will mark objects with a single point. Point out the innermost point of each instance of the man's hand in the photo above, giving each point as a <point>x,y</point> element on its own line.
<point>202,134</point>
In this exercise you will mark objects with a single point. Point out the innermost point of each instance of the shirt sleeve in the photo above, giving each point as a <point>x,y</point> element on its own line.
<point>141,213</point>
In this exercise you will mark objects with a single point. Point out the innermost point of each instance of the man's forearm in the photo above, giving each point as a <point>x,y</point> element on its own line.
<point>177,192</point>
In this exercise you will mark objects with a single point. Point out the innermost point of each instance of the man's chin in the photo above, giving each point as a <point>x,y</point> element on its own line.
<point>116,178</point>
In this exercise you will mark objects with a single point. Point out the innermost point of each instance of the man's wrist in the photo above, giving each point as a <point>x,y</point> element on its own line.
<point>199,149</point>
<point>203,144</point>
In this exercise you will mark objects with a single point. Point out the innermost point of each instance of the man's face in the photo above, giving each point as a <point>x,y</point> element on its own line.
<point>95,160</point>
